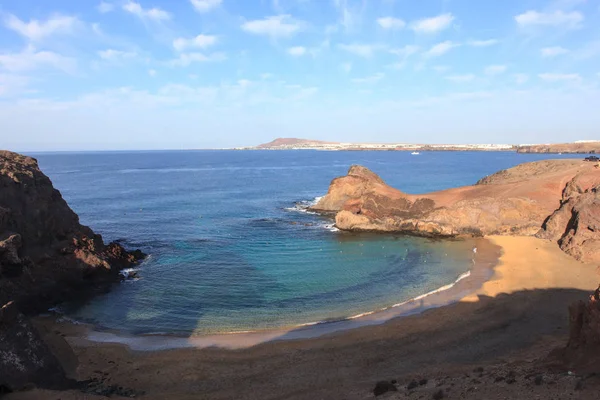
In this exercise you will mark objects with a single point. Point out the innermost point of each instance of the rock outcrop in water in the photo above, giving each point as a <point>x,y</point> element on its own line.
<point>516,201</point>
<point>46,257</point>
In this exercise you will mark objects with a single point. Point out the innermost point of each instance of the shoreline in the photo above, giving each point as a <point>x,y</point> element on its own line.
<point>507,326</point>
<point>485,260</point>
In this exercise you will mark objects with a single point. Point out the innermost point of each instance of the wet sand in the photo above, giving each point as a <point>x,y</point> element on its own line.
<point>508,328</point>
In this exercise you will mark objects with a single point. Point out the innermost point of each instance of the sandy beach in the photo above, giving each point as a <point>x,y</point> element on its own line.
<point>502,331</point>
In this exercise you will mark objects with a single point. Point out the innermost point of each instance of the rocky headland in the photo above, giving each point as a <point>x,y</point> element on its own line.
<point>46,257</point>
<point>552,199</point>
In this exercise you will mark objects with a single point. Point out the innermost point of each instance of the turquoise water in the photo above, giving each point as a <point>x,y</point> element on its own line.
<point>231,248</point>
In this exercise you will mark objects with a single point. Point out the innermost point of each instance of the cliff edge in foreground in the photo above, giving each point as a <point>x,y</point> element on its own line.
<point>554,199</point>
<point>46,257</point>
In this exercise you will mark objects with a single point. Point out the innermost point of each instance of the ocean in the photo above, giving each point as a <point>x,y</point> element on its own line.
<point>232,248</point>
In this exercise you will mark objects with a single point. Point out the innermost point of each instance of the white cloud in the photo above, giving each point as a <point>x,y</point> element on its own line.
<point>461,78</point>
<point>362,50</point>
<point>391,23</point>
<point>154,14</point>
<point>37,30</point>
<point>558,18</point>
<point>553,51</point>
<point>433,25</point>
<point>204,6</point>
<point>186,59</point>
<point>483,43</point>
<point>405,51</point>
<point>346,67</point>
<point>200,42</point>
<point>521,78</point>
<point>552,77</point>
<point>105,7</point>
<point>297,51</point>
<point>152,72</point>
<point>275,26</point>
<point>114,55</point>
<point>30,59</point>
<point>440,49</point>
<point>369,79</point>
<point>350,16</point>
<point>495,69</point>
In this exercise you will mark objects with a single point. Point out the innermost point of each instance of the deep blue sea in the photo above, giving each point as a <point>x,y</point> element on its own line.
<point>230,247</point>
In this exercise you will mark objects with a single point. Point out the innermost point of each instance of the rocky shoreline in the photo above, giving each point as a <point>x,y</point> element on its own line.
<point>552,199</point>
<point>46,257</point>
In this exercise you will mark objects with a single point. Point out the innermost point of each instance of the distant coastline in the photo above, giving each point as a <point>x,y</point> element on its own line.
<point>579,147</point>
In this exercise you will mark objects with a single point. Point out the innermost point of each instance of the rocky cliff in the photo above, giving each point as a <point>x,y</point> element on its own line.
<point>516,201</point>
<point>46,257</point>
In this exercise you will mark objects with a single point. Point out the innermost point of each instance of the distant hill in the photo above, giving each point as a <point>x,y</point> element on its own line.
<point>289,142</point>
<point>584,147</point>
<point>581,147</point>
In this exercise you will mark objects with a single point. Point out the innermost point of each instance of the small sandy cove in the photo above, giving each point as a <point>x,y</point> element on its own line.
<point>492,344</point>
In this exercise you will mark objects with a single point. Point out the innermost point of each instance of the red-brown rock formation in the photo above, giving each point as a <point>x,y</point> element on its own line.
<point>583,349</point>
<point>515,201</point>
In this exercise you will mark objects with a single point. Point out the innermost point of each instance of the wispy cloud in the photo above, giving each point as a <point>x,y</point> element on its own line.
<point>11,85</point>
<point>200,42</point>
<point>297,51</point>
<point>553,51</point>
<point>154,14</point>
<point>112,54</point>
<point>553,77</point>
<point>461,78</point>
<point>520,78</point>
<point>370,79</point>
<point>391,23</point>
<point>186,59</point>
<point>362,50</point>
<point>405,51</point>
<point>30,59</point>
<point>440,49</point>
<point>433,25</point>
<point>105,7</point>
<point>277,26</point>
<point>204,6</point>
<point>350,16</point>
<point>483,43</point>
<point>346,67</point>
<point>570,20</point>
<point>495,69</point>
<point>36,30</point>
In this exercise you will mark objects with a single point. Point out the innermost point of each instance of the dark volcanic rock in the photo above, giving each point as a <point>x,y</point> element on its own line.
<point>46,255</point>
<point>383,387</point>
<point>24,358</point>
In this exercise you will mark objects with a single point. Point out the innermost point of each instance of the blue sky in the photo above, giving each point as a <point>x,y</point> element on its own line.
<point>157,74</point>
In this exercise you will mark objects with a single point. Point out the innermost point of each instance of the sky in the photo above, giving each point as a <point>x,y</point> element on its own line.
<point>188,74</point>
